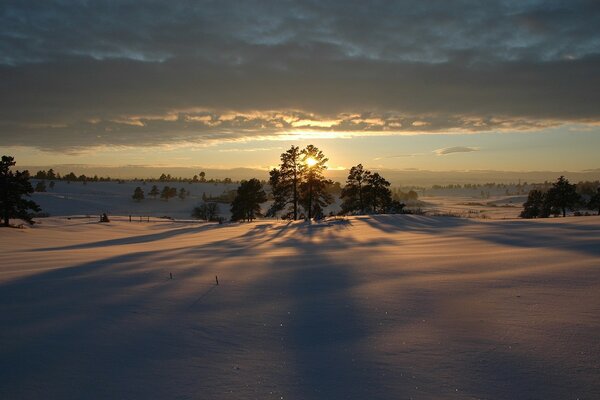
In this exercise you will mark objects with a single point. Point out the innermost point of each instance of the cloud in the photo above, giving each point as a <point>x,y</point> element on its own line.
<point>456,149</point>
<point>87,74</point>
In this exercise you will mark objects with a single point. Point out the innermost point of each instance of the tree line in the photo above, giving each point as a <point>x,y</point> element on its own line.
<point>559,198</point>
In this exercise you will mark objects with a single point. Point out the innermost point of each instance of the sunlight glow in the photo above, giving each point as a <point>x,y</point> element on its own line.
<point>310,161</point>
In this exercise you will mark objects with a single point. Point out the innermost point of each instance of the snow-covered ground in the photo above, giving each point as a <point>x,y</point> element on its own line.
<point>382,307</point>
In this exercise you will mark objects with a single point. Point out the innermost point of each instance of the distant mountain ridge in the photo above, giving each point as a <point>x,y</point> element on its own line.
<point>396,177</point>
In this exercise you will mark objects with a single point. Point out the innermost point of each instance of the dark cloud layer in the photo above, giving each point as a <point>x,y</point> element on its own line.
<point>76,74</point>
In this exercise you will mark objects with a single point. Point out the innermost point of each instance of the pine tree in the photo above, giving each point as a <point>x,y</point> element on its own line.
<point>138,194</point>
<point>378,193</point>
<point>40,186</point>
<point>182,194</point>
<point>353,194</point>
<point>13,187</point>
<point>246,205</point>
<point>534,206</point>
<point>313,187</point>
<point>563,195</point>
<point>51,185</point>
<point>285,182</point>
<point>154,191</point>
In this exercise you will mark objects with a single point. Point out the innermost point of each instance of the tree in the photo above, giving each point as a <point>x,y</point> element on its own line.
<point>182,194</point>
<point>154,191</point>
<point>563,195</point>
<point>168,192</point>
<point>534,206</point>
<point>246,205</point>
<point>594,202</point>
<point>50,175</point>
<point>202,176</point>
<point>313,187</point>
<point>138,194</point>
<point>13,187</point>
<point>40,186</point>
<point>206,211</point>
<point>379,195</point>
<point>353,193</point>
<point>285,182</point>
<point>51,185</point>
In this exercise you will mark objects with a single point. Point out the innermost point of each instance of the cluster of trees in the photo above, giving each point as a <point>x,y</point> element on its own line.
<point>299,189</point>
<point>165,194</point>
<point>14,190</point>
<point>557,199</point>
<point>50,175</point>
<point>206,211</point>
<point>367,192</point>
<point>299,182</point>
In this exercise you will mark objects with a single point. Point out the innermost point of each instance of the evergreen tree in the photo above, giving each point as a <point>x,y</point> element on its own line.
<point>594,202</point>
<point>313,187</point>
<point>154,191</point>
<point>50,175</point>
<point>138,194</point>
<point>13,187</point>
<point>378,193</point>
<point>40,186</point>
<point>182,194</point>
<point>563,195</point>
<point>246,205</point>
<point>285,182</point>
<point>353,194</point>
<point>168,192</point>
<point>534,206</point>
<point>202,176</point>
<point>51,185</point>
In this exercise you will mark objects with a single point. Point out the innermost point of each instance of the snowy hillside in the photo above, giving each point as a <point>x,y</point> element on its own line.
<point>383,307</point>
<point>94,198</point>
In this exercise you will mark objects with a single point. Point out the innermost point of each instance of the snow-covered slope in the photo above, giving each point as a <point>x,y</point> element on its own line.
<point>386,307</point>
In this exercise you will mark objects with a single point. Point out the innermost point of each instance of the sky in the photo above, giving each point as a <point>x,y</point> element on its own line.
<point>436,85</point>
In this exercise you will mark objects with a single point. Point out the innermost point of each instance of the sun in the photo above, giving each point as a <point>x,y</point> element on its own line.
<point>311,161</point>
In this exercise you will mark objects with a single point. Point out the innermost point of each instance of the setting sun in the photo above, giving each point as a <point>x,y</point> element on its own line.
<point>310,161</point>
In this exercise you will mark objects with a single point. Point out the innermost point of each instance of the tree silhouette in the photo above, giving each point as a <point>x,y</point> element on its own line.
<point>182,194</point>
<point>138,194</point>
<point>40,186</point>
<point>168,192</point>
<point>13,187</point>
<point>594,202</point>
<point>285,182</point>
<point>202,176</point>
<point>154,191</point>
<point>378,193</point>
<point>51,185</point>
<point>206,211</point>
<point>534,206</point>
<point>563,195</point>
<point>353,194</point>
<point>246,205</point>
<point>313,187</point>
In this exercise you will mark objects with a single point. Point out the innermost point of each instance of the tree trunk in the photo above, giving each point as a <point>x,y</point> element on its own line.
<point>564,210</point>
<point>295,195</point>
<point>309,201</point>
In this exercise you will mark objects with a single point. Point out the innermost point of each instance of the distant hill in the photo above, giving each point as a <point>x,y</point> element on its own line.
<point>396,177</point>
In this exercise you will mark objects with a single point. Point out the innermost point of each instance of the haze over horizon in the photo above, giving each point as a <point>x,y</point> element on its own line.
<point>503,85</point>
